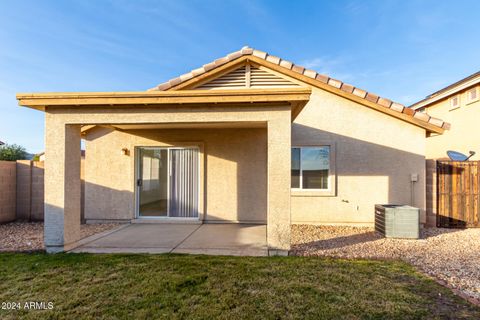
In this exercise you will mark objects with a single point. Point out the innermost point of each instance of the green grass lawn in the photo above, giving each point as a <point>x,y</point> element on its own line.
<point>206,287</point>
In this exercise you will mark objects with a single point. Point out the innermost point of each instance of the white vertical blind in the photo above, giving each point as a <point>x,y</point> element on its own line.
<point>184,183</point>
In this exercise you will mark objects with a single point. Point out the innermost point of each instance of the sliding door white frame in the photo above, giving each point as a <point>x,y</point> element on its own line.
<point>138,163</point>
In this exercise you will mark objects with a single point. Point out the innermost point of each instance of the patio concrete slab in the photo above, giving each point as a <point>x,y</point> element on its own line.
<point>226,239</point>
<point>141,238</point>
<point>214,239</point>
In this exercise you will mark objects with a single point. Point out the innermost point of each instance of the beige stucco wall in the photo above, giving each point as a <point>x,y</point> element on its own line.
<point>234,179</point>
<point>463,135</point>
<point>373,157</point>
<point>375,154</point>
<point>62,163</point>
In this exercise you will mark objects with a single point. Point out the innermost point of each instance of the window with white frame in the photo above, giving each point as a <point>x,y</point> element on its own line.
<point>311,168</point>
<point>472,95</point>
<point>454,102</point>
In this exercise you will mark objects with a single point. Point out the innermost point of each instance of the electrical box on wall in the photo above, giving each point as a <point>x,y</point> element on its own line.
<point>414,177</point>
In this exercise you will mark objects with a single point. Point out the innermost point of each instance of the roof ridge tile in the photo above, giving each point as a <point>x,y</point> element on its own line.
<point>259,54</point>
<point>347,87</point>
<point>322,77</point>
<point>286,64</point>
<point>273,59</point>
<point>397,106</point>
<point>310,73</point>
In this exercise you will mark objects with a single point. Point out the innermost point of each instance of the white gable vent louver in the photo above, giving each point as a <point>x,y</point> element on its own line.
<point>247,77</point>
<point>263,79</point>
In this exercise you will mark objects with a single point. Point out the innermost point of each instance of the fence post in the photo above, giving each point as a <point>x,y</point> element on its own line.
<point>431,192</point>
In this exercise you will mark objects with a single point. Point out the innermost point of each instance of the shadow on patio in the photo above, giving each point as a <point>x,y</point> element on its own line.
<point>216,239</point>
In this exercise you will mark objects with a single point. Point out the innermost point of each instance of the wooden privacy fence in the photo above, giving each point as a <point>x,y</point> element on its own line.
<point>458,204</point>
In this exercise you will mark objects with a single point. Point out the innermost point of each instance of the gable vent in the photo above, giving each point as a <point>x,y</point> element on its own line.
<point>232,80</point>
<point>262,79</point>
<point>247,77</point>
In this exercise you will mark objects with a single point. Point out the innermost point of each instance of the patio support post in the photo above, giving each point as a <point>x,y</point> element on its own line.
<point>278,215</point>
<point>62,184</point>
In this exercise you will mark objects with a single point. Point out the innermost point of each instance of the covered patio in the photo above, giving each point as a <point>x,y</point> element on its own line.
<point>216,239</point>
<point>67,114</point>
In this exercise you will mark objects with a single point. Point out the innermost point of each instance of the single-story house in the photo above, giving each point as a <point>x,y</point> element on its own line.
<point>247,138</point>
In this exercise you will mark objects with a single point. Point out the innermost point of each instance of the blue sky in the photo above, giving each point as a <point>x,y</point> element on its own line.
<point>402,50</point>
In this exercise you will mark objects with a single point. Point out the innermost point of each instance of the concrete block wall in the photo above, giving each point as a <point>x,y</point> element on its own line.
<point>431,194</point>
<point>24,195</point>
<point>30,189</point>
<point>37,191</point>
<point>7,191</point>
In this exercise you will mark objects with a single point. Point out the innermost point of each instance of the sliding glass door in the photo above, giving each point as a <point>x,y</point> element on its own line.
<point>167,182</point>
<point>183,183</point>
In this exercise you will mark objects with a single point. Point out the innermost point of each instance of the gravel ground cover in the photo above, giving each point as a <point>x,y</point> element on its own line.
<point>452,256</point>
<point>28,236</point>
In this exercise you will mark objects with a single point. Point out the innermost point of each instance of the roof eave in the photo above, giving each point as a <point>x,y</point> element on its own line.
<point>296,97</point>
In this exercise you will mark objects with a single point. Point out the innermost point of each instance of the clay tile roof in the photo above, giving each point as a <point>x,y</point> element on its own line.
<point>384,102</point>
<point>335,83</point>
<point>436,122</point>
<point>310,73</point>
<point>273,59</point>
<point>422,116</point>
<point>286,64</point>
<point>347,87</point>
<point>397,107</point>
<point>409,111</point>
<point>320,78</point>
<point>372,97</point>
<point>298,69</point>
<point>359,92</point>
<point>446,126</point>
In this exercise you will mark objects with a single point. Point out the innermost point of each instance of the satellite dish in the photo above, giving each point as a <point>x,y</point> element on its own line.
<point>457,156</point>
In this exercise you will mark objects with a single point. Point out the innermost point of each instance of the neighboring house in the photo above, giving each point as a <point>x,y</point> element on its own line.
<point>247,138</point>
<point>459,105</point>
<point>41,156</point>
<point>2,143</point>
